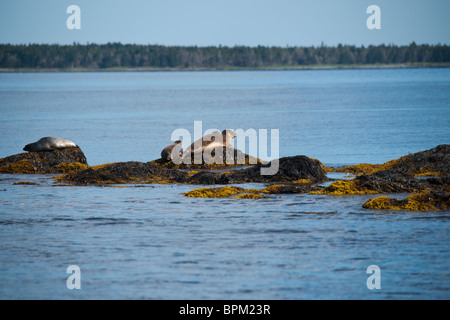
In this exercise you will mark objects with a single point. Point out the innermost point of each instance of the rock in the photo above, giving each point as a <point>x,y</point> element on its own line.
<point>388,181</point>
<point>240,193</point>
<point>298,174</point>
<point>234,156</point>
<point>398,176</point>
<point>433,162</point>
<point>126,173</point>
<point>227,156</point>
<point>45,162</point>
<point>223,192</point>
<point>424,201</point>
<point>290,169</point>
<point>391,181</point>
<point>344,188</point>
<point>210,178</point>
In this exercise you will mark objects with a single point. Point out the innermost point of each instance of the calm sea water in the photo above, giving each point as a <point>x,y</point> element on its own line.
<point>149,242</point>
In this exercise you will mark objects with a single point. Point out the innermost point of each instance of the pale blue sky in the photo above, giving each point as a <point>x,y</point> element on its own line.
<point>226,22</point>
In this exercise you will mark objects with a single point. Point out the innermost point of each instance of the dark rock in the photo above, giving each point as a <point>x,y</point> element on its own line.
<point>393,181</point>
<point>290,169</point>
<point>389,181</point>
<point>291,188</point>
<point>209,178</point>
<point>45,162</point>
<point>433,162</point>
<point>423,201</point>
<point>126,173</point>
<point>439,181</point>
<point>436,160</point>
<point>226,156</point>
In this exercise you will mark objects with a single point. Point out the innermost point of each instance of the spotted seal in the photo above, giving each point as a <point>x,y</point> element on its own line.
<point>211,141</point>
<point>49,144</point>
<point>174,149</point>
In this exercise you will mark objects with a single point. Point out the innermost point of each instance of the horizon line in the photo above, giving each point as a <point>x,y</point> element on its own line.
<point>323,45</point>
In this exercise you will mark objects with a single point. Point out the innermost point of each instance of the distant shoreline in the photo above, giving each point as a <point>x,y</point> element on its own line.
<point>269,68</point>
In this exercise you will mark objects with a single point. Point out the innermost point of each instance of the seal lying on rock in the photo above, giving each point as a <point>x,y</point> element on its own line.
<point>211,148</point>
<point>211,141</point>
<point>49,144</point>
<point>174,149</point>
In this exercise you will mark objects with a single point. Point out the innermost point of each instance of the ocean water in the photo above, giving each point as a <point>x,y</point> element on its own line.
<point>150,242</point>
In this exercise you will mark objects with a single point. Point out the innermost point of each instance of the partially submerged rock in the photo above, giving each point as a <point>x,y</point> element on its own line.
<point>45,162</point>
<point>226,157</point>
<point>125,173</point>
<point>241,193</point>
<point>388,181</point>
<point>401,176</point>
<point>392,181</point>
<point>424,201</point>
<point>224,192</point>
<point>290,169</point>
<point>25,183</point>
<point>294,175</point>
<point>344,188</point>
<point>432,162</point>
<point>299,169</point>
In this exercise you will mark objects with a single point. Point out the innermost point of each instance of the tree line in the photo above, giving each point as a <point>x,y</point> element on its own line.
<point>117,55</point>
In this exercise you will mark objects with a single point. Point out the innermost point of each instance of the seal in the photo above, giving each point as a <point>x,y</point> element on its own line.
<point>211,141</point>
<point>49,144</point>
<point>174,149</point>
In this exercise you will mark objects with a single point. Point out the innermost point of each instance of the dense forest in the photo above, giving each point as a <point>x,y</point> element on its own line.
<point>116,55</point>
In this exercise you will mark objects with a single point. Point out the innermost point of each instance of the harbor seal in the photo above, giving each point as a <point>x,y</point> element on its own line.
<point>211,141</point>
<point>173,150</point>
<point>49,144</point>
<point>210,149</point>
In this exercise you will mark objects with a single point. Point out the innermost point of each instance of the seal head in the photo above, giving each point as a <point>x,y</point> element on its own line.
<point>174,149</point>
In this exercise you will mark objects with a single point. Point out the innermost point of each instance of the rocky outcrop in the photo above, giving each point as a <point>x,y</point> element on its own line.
<point>46,162</point>
<point>388,181</point>
<point>423,201</point>
<point>425,175</point>
<point>126,173</point>
<point>426,170</point>
<point>432,162</point>
<point>289,169</point>
<point>227,157</point>
<point>240,193</point>
<point>391,181</point>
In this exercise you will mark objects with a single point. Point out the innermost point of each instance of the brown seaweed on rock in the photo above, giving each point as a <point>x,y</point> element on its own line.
<point>290,169</point>
<point>432,162</point>
<point>126,173</point>
<point>392,181</point>
<point>227,157</point>
<point>423,201</point>
<point>45,162</point>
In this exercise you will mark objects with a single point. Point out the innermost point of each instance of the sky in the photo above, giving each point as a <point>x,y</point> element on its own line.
<point>226,22</point>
